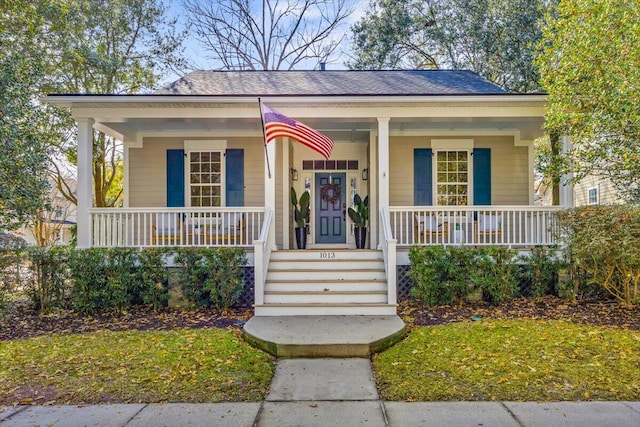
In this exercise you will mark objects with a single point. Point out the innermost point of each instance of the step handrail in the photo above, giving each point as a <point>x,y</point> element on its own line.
<point>262,256</point>
<point>389,254</point>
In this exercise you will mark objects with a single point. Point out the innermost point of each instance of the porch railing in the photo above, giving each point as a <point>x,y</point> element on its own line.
<point>153,227</point>
<point>389,253</point>
<point>515,226</point>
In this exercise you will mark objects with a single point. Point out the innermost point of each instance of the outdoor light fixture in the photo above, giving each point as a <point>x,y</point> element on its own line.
<point>294,174</point>
<point>365,174</point>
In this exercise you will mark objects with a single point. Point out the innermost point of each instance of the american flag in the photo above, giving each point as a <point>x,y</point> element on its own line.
<point>277,125</point>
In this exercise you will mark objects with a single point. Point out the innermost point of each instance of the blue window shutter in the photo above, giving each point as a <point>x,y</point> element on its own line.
<point>175,178</point>
<point>422,177</point>
<point>482,176</point>
<point>235,177</point>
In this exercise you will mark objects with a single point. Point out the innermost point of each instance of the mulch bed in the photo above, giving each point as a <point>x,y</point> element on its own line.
<point>21,322</point>
<point>545,308</point>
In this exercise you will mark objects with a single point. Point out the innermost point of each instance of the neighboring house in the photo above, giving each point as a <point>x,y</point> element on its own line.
<point>55,224</point>
<point>446,157</point>
<point>590,191</point>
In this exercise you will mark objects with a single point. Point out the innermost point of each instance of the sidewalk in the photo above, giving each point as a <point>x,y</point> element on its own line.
<point>329,392</point>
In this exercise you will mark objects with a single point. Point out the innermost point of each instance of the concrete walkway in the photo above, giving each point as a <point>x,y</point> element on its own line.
<point>329,392</point>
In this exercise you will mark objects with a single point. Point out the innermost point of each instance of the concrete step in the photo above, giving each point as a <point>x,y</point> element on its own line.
<point>320,286</point>
<point>324,336</point>
<point>328,309</point>
<point>329,297</point>
<point>326,275</point>
<point>339,264</point>
<point>326,254</point>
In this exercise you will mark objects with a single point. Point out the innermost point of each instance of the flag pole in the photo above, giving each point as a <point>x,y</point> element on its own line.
<point>264,137</point>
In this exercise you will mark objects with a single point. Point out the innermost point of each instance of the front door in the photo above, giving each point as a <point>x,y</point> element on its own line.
<point>330,206</point>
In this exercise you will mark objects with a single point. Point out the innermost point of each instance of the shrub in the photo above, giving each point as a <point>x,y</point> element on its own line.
<point>539,271</point>
<point>12,261</point>
<point>441,274</point>
<point>117,278</point>
<point>495,273</point>
<point>603,241</point>
<point>211,277</point>
<point>48,286</point>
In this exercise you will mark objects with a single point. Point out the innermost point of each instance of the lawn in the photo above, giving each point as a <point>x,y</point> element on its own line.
<point>181,365</point>
<point>512,360</point>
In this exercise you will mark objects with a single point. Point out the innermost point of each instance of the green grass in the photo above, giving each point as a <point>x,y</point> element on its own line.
<point>203,365</point>
<point>512,360</point>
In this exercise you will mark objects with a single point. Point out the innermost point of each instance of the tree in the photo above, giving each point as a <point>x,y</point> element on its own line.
<point>590,66</point>
<point>495,38</point>
<point>97,47</point>
<point>23,156</point>
<point>267,34</point>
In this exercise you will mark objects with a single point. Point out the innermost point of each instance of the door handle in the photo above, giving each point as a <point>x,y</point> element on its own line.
<point>344,212</point>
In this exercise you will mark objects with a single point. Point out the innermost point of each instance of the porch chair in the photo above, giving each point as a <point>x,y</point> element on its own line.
<point>489,228</point>
<point>167,229</point>
<point>427,229</point>
<point>230,229</point>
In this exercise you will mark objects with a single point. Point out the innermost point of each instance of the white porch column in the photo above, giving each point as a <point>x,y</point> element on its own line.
<point>383,170</point>
<point>374,210</point>
<point>286,200</point>
<point>567,198</point>
<point>85,181</point>
<point>270,185</point>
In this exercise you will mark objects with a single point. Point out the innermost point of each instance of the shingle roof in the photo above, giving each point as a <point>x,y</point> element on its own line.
<point>326,83</point>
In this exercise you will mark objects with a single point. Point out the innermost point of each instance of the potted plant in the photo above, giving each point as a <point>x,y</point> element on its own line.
<point>301,215</point>
<point>360,216</point>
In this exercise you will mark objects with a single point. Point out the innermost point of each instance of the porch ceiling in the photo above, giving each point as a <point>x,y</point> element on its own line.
<point>340,129</point>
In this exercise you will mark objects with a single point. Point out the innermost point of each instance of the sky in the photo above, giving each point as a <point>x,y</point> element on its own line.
<point>194,51</point>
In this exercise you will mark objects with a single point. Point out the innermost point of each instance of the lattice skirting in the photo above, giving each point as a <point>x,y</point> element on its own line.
<point>247,296</point>
<point>404,282</point>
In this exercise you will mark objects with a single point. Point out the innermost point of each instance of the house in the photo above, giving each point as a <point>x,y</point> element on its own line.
<point>445,157</point>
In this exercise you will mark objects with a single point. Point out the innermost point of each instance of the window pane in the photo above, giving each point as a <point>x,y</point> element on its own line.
<point>216,178</point>
<point>451,156</point>
<point>463,167</point>
<point>195,168</point>
<point>206,178</point>
<point>451,177</point>
<point>442,177</point>
<point>215,167</point>
<point>205,157</point>
<point>195,201</point>
<point>195,178</point>
<point>462,156</point>
<point>215,156</point>
<point>206,191</point>
<point>442,166</point>
<point>206,167</point>
<point>442,156</point>
<point>215,190</point>
<point>216,201</point>
<point>462,177</point>
<point>195,191</point>
<point>195,157</point>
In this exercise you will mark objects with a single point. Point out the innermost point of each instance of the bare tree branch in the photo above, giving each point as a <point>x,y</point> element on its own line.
<point>268,34</point>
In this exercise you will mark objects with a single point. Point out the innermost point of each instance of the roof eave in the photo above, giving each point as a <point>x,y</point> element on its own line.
<point>69,101</point>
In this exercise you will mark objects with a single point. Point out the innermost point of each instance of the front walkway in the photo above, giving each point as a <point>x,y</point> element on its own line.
<point>329,392</point>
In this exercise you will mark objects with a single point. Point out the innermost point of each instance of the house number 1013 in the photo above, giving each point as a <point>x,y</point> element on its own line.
<point>327,255</point>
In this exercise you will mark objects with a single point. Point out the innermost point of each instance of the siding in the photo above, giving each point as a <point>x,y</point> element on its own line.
<point>147,170</point>
<point>509,168</point>
<point>606,191</point>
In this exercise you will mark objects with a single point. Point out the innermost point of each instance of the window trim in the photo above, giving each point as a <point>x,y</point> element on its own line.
<point>199,146</point>
<point>438,145</point>
<point>597,190</point>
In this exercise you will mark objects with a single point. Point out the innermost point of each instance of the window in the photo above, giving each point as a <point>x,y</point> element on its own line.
<point>206,178</point>
<point>452,177</point>
<point>594,198</point>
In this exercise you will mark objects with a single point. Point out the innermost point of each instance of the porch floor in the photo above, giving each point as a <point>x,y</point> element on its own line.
<point>323,336</point>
